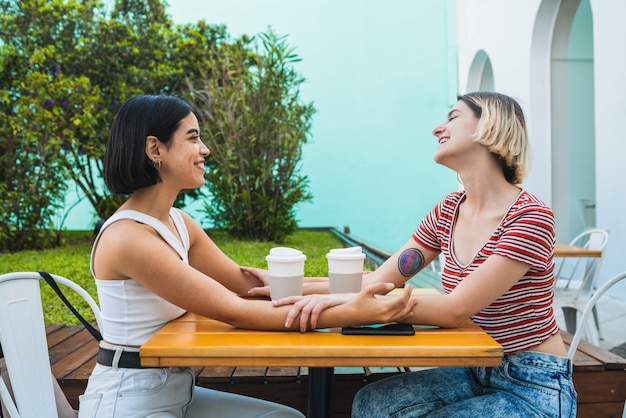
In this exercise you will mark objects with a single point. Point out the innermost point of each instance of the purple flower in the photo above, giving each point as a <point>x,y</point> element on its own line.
<point>47,104</point>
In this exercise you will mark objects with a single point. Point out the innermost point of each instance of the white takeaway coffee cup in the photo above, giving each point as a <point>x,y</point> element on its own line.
<point>345,269</point>
<point>285,267</point>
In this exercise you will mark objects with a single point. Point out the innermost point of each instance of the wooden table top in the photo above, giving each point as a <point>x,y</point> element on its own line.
<point>193,340</point>
<point>564,250</point>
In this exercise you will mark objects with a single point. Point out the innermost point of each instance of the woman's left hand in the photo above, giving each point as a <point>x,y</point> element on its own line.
<point>309,307</point>
<point>262,276</point>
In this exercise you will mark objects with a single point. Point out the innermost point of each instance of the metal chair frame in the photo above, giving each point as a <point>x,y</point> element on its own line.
<point>588,310</point>
<point>23,338</point>
<point>595,239</point>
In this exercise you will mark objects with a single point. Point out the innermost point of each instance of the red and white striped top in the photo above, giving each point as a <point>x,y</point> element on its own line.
<point>522,317</point>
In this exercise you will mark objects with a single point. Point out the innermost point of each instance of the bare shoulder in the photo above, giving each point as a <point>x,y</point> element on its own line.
<point>125,232</point>
<point>122,243</point>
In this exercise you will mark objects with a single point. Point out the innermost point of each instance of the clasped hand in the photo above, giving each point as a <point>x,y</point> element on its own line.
<point>370,305</point>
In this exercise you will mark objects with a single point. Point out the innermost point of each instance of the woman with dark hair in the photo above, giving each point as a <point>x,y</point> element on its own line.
<point>152,263</point>
<point>498,243</point>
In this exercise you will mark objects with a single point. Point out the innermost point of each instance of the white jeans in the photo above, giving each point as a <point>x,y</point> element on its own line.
<point>166,392</point>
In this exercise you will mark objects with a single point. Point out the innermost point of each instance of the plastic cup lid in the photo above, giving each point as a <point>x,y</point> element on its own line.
<point>284,251</point>
<point>285,255</point>
<point>350,253</point>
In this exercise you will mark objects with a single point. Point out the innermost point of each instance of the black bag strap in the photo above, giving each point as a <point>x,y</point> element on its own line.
<point>48,278</point>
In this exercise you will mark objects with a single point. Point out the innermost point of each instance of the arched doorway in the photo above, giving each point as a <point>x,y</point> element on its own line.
<point>480,77</point>
<point>563,109</point>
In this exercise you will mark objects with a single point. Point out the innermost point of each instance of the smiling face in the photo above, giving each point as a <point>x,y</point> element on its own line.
<point>183,160</point>
<point>456,135</point>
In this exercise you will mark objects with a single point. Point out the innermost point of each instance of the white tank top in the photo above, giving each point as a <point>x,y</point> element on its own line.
<point>131,314</point>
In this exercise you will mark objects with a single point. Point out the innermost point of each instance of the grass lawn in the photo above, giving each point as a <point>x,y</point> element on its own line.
<point>71,260</point>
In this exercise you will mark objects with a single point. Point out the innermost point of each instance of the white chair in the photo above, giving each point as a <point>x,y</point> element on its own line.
<point>23,339</point>
<point>584,272</point>
<point>571,269</point>
<point>589,307</point>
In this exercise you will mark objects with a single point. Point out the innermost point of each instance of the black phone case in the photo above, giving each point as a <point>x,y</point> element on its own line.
<point>389,329</point>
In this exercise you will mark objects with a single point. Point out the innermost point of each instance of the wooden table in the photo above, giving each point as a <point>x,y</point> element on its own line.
<point>592,261</point>
<point>591,264</point>
<point>196,341</point>
<point>564,250</point>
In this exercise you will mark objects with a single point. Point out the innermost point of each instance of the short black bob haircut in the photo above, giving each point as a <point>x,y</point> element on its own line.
<point>126,165</point>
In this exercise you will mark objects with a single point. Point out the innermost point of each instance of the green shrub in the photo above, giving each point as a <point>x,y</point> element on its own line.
<point>61,85</point>
<point>255,126</point>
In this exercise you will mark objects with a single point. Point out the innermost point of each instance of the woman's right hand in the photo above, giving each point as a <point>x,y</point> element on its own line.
<point>374,306</point>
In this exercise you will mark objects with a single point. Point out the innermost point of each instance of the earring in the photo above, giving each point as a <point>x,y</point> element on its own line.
<point>157,164</point>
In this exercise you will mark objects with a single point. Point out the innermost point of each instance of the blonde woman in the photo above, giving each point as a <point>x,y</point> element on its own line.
<point>498,243</point>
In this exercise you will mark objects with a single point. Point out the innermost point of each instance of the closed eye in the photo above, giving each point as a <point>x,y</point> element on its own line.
<point>452,114</point>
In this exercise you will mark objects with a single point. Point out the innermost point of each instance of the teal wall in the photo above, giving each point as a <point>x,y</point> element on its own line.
<point>381,75</point>
<point>581,130</point>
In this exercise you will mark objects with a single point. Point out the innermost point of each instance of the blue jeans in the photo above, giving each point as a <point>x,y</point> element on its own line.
<point>527,384</point>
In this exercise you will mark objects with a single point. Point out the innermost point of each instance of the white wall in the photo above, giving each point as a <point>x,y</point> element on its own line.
<point>610,103</point>
<point>504,30</point>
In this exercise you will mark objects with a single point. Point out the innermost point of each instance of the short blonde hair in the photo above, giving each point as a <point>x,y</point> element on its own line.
<point>502,129</point>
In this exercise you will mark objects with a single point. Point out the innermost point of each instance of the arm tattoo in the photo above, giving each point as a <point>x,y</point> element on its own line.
<point>410,262</point>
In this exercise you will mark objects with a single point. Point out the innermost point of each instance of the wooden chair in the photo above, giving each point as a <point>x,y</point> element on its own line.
<point>23,339</point>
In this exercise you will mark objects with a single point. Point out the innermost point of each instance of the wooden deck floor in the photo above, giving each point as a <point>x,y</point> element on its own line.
<point>73,355</point>
<point>72,358</point>
<point>599,376</point>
